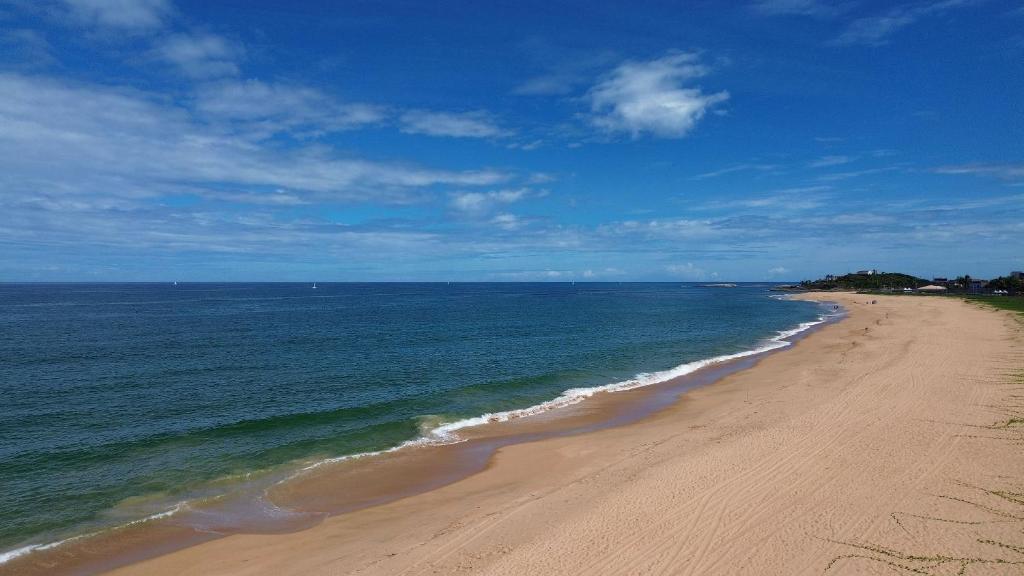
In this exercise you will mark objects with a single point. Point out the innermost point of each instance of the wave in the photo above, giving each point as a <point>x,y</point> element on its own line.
<point>12,554</point>
<point>435,431</point>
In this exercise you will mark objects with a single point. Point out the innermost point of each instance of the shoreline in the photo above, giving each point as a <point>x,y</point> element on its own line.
<point>837,429</point>
<point>466,446</point>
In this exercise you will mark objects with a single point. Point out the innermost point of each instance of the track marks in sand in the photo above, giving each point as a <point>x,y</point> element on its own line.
<point>790,492</point>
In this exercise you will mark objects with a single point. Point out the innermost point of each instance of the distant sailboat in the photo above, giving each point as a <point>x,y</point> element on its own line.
<point>314,285</point>
<point>175,283</point>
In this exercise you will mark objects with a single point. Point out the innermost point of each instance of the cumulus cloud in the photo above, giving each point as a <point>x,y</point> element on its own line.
<point>272,108</point>
<point>651,97</point>
<point>476,124</point>
<point>125,15</point>
<point>200,55</point>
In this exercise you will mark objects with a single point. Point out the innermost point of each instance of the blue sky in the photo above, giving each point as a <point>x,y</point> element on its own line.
<point>766,140</point>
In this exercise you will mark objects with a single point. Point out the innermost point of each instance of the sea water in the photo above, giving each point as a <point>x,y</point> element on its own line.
<point>120,401</point>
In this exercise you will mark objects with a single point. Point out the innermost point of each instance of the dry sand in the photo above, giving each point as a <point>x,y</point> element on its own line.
<point>893,438</point>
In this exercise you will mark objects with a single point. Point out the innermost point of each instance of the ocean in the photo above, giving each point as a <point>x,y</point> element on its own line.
<point>121,400</point>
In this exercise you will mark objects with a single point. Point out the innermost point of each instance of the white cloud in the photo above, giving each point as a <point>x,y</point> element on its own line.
<point>604,272</point>
<point>650,97</point>
<point>272,108</point>
<point>129,15</point>
<point>200,55</point>
<point>786,200</point>
<point>736,168</point>
<point>111,142</point>
<point>876,30</point>
<point>834,160</point>
<point>565,67</point>
<point>837,176</point>
<point>795,8</point>
<point>477,124</point>
<point>507,221</point>
<point>24,47</point>
<point>777,271</point>
<point>478,203</point>
<point>535,275</point>
<point>1002,171</point>
<point>687,271</point>
<point>669,228</point>
<point>554,84</point>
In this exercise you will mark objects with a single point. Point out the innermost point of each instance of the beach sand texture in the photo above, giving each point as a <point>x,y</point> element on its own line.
<point>889,442</point>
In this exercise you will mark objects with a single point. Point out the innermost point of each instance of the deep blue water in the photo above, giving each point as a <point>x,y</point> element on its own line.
<point>118,391</point>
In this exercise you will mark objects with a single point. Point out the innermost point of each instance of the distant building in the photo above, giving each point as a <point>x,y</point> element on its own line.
<point>940,280</point>
<point>871,272</point>
<point>977,286</point>
<point>932,288</point>
<point>1017,274</point>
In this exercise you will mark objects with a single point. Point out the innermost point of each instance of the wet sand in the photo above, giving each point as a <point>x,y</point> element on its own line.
<point>886,439</point>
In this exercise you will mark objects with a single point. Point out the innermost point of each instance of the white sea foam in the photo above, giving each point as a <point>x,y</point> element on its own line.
<point>12,554</point>
<point>446,433</point>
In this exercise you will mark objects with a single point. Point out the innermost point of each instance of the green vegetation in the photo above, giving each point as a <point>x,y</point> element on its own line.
<point>877,281</point>
<point>1014,303</point>
<point>1008,283</point>
<point>987,512</point>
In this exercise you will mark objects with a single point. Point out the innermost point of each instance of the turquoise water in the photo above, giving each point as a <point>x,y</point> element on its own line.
<point>119,392</point>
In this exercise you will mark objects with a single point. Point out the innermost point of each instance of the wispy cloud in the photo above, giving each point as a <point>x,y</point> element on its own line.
<point>1010,172</point>
<point>475,124</point>
<point>665,228</point>
<point>834,160</point>
<point>124,15</point>
<point>641,97</point>
<point>564,68</point>
<point>114,142</point>
<point>876,30</point>
<point>200,55</point>
<point>785,200</point>
<point>815,8</point>
<point>25,48</point>
<point>688,271</point>
<point>746,167</point>
<point>837,176</point>
<point>552,84</point>
<point>263,108</point>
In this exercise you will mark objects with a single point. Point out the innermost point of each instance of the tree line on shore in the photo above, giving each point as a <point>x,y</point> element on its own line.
<point>898,281</point>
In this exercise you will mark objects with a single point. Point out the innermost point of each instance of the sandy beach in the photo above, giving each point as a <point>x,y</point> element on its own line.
<point>886,443</point>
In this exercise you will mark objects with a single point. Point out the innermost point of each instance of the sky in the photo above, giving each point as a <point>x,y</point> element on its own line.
<point>245,140</point>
